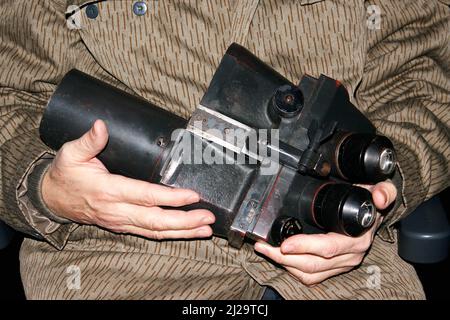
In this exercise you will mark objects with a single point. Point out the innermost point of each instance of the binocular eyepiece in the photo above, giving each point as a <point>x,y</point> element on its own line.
<point>335,205</point>
<point>327,207</point>
<point>343,208</point>
<point>366,157</point>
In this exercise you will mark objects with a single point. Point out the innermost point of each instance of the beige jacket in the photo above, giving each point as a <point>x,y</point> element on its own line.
<point>393,57</point>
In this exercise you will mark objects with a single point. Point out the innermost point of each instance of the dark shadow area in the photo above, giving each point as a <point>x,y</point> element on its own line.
<point>11,285</point>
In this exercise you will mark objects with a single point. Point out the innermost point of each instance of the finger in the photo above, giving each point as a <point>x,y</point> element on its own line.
<point>157,219</point>
<point>316,278</point>
<point>149,194</point>
<point>90,144</point>
<point>202,232</point>
<point>325,245</point>
<point>309,263</point>
<point>383,193</point>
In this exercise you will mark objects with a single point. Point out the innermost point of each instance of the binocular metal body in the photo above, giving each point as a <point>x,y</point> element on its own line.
<point>269,158</point>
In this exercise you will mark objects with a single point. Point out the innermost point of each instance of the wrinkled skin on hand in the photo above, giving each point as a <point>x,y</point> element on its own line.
<point>78,187</point>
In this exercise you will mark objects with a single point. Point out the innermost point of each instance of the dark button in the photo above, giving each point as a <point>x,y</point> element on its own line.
<point>92,11</point>
<point>139,8</point>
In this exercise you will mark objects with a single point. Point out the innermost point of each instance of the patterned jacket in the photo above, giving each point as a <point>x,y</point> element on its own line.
<point>392,56</point>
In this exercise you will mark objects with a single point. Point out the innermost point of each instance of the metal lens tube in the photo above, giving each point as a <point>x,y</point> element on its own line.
<point>139,132</point>
<point>343,208</point>
<point>366,158</point>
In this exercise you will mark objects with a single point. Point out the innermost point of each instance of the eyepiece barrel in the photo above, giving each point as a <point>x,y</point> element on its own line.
<point>344,208</point>
<point>366,158</point>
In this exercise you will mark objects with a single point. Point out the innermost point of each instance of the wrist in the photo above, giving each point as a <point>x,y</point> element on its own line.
<point>39,193</point>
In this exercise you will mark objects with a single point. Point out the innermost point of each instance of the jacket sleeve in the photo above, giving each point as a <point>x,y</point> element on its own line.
<point>405,91</point>
<point>36,50</point>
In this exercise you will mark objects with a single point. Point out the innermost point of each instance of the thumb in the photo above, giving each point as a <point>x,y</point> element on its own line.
<point>91,143</point>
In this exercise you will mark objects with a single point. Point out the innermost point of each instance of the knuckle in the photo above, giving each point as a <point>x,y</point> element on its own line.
<point>357,260</point>
<point>155,223</point>
<point>311,267</point>
<point>151,199</point>
<point>331,249</point>
<point>364,244</point>
<point>145,193</point>
<point>157,235</point>
<point>64,150</point>
<point>278,258</point>
<point>64,153</point>
<point>54,172</point>
<point>307,280</point>
<point>84,143</point>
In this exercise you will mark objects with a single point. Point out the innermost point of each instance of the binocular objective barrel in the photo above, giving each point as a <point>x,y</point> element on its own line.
<point>139,132</point>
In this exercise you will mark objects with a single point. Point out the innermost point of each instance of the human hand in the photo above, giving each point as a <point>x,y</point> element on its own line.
<point>313,258</point>
<point>78,187</point>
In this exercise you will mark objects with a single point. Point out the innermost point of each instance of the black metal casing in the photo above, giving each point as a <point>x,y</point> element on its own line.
<point>312,120</point>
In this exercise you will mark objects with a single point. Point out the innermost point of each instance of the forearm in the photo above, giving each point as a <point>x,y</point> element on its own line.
<point>24,162</point>
<point>36,50</point>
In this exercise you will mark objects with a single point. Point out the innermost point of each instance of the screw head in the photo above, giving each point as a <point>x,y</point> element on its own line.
<point>161,142</point>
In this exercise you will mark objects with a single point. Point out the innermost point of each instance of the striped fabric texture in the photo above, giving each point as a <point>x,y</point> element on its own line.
<point>392,56</point>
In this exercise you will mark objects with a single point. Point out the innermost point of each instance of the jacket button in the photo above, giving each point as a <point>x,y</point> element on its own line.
<point>139,8</point>
<point>92,11</point>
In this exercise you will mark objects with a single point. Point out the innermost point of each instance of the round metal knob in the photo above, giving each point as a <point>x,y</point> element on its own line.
<point>287,101</point>
<point>284,227</point>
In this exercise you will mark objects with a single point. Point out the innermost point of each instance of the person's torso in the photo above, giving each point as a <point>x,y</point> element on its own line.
<point>169,53</point>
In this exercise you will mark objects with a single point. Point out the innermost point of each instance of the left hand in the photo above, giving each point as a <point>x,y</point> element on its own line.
<point>313,258</point>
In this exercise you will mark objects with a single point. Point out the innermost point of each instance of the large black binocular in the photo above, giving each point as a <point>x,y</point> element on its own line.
<point>269,158</point>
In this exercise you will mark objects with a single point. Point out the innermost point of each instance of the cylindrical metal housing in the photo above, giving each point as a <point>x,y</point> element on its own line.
<point>139,132</point>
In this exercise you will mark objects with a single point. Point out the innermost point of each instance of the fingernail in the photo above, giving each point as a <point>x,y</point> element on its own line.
<point>385,196</point>
<point>203,233</point>
<point>261,248</point>
<point>288,248</point>
<point>208,220</point>
<point>194,197</point>
<point>94,131</point>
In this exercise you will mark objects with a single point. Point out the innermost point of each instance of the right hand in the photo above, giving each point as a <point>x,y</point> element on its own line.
<point>78,187</point>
